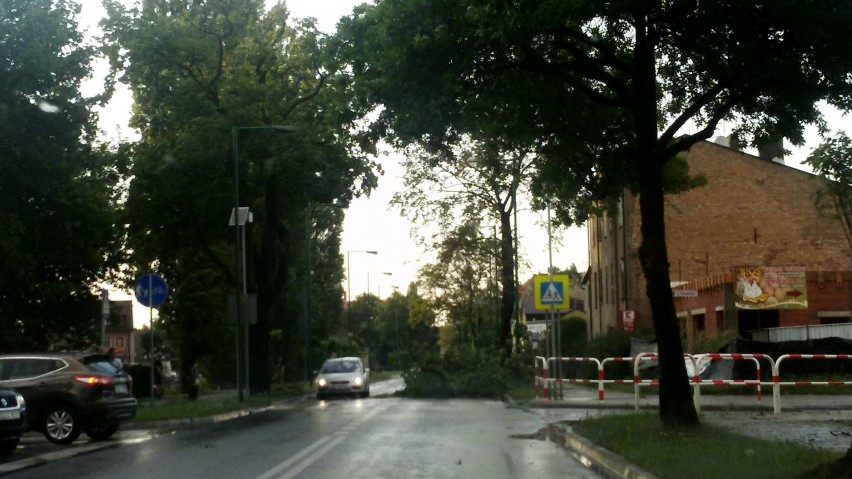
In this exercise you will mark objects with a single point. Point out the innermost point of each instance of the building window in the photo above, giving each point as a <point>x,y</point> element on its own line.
<point>699,326</point>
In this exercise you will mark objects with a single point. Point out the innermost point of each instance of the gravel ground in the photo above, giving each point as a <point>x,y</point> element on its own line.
<point>822,429</point>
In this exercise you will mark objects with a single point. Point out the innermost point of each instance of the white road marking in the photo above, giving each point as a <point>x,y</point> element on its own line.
<point>296,457</point>
<point>312,459</point>
<point>297,464</point>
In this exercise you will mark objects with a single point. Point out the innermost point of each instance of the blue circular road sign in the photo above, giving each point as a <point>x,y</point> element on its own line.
<point>151,290</point>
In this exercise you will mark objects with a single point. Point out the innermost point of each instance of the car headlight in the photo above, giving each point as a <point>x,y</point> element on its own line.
<point>359,381</point>
<point>21,401</point>
<point>322,382</point>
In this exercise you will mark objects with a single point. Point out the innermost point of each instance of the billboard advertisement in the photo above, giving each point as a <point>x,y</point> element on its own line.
<point>767,287</point>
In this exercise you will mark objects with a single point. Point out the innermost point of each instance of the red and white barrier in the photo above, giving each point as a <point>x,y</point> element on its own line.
<point>602,374</point>
<point>776,376</point>
<point>543,382</point>
<point>559,380</point>
<point>736,382</point>
<point>638,382</point>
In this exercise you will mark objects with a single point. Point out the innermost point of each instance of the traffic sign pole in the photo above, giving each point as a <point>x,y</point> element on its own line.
<point>151,330</point>
<point>151,290</point>
<point>104,317</point>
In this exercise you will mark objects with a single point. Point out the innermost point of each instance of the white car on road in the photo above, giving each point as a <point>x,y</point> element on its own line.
<point>344,377</point>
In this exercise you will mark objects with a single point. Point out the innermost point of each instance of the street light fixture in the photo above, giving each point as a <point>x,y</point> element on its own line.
<point>237,221</point>
<point>370,274</point>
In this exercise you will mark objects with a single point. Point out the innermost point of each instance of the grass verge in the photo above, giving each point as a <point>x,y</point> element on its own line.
<point>675,453</point>
<point>212,403</point>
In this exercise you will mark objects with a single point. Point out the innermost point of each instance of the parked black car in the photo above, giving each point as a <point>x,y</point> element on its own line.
<point>13,420</point>
<point>68,393</point>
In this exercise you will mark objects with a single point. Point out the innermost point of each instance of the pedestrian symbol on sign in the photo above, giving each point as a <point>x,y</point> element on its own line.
<point>552,293</point>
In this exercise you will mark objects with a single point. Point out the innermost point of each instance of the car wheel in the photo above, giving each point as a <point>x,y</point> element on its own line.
<point>99,433</point>
<point>8,445</point>
<point>61,425</point>
<point>365,394</point>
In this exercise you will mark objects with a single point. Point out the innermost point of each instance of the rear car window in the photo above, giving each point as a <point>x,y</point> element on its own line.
<point>102,366</point>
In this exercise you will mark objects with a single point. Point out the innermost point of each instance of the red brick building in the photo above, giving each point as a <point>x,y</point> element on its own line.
<point>753,212</point>
<point>119,329</point>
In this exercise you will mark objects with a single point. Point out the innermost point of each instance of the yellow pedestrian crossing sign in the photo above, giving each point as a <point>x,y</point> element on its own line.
<point>551,291</point>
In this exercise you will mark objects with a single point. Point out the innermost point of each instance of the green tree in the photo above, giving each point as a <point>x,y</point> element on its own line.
<point>325,295</point>
<point>833,161</point>
<point>362,322</point>
<point>395,330</point>
<point>197,69</point>
<point>463,183</point>
<point>604,90</point>
<point>410,330</point>
<point>460,288</point>
<point>58,187</point>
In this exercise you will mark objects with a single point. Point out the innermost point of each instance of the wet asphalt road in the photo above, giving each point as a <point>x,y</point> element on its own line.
<point>378,437</point>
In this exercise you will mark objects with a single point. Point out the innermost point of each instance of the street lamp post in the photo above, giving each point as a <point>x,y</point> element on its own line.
<point>386,273</point>
<point>349,282</point>
<point>240,217</point>
<point>309,284</point>
<point>396,322</point>
<point>240,255</point>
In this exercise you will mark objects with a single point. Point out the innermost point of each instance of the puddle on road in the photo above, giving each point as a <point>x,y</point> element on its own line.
<point>552,432</point>
<point>555,433</point>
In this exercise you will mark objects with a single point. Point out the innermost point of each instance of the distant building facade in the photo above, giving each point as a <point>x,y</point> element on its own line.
<point>119,330</point>
<point>756,224</point>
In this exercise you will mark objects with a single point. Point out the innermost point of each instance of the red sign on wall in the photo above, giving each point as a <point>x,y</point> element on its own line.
<point>628,321</point>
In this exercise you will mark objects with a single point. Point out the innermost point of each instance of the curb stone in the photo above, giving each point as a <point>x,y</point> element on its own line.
<point>610,463</point>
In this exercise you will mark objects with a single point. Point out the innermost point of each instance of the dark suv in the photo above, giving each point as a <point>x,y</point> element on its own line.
<point>13,420</point>
<point>70,393</point>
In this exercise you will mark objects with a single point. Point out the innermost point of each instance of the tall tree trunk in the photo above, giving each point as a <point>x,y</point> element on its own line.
<point>507,279</point>
<point>676,406</point>
<point>271,266</point>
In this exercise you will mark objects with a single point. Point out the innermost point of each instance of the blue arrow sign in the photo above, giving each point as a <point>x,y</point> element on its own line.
<point>151,290</point>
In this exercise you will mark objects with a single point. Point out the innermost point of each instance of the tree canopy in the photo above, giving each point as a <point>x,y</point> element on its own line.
<point>606,94</point>
<point>210,79</point>
<point>59,223</point>
<point>833,161</point>
<point>462,187</point>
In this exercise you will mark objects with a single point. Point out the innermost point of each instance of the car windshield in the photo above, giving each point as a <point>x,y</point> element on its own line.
<point>340,367</point>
